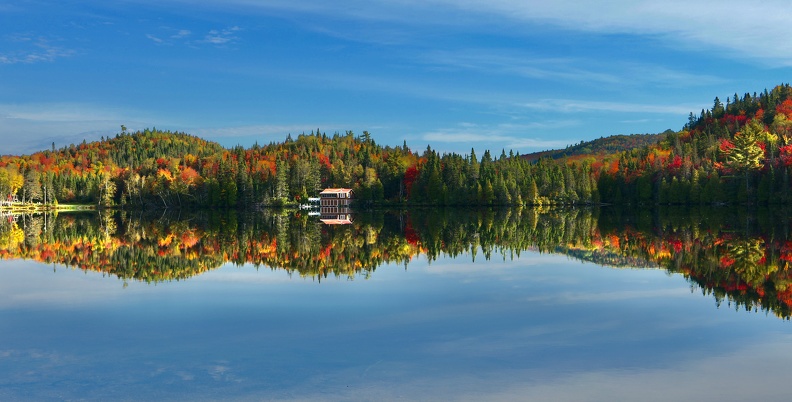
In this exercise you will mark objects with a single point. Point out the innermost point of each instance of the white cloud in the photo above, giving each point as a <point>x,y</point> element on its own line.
<point>183,33</point>
<point>517,137</point>
<point>524,65</point>
<point>28,50</point>
<point>261,133</point>
<point>154,38</point>
<point>221,37</point>
<point>55,112</point>
<point>514,142</point>
<point>217,37</point>
<point>573,106</point>
<point>758,29</point>
<point>564,69</point>
<point>732,28</point>
<point>36,126</point>
<point>273,130</point>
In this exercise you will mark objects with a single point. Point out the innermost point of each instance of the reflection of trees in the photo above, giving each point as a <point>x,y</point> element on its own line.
<point>173,247</point>
<point>505,231</point>
<point>738,257</point>
<point>746,258</point>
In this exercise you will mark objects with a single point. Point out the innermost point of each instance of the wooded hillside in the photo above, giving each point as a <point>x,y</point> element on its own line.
<point>169,169</point>
<point>601,146</point>
<point>737,152</point>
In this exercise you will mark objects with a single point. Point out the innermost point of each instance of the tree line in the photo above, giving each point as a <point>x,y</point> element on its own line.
<point>734,153</point>
<point>739,152</point>
<point>172,169</point>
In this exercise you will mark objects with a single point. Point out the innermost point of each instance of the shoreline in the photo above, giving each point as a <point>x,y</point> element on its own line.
<point>27,208</point>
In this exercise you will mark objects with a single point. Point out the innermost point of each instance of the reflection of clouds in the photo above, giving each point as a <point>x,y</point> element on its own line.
<point>28,283</point>
<point>34,374</point>
<point>31,366</point>
<point>222,373</point>
<point>714,378</point>
<point>212,372</point>
<point>67,287</point>
<point>248,274</point>
<point>531,337</point>
<point>593,297</point>
<point>185,376</point>
<point>496,264</point>
<point>34,354</point>
<point>447,342</point>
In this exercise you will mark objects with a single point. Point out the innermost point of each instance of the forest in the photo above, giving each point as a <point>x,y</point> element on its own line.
<point>165,169</point>
<point>739,152</point>
<point>602,146</point>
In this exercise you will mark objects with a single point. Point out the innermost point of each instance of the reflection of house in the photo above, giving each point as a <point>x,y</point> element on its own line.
<point>334,206</point>
<point>331,219</point>
<point>10,200</point>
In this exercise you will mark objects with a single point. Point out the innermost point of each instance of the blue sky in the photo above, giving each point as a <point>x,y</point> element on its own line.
<point>513,74</point>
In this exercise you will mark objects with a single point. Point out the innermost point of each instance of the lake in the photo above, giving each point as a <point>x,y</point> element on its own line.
<point>527,304</point>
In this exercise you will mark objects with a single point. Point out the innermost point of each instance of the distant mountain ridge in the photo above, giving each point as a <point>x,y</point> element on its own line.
<point>603,145</point>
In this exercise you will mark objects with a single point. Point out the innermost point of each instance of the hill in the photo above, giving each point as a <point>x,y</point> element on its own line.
<point>165,169</point>
<point>601,146</point>
<point>740,152</point>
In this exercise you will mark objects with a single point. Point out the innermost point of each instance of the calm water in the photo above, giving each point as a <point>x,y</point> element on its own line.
<point>492,306</point>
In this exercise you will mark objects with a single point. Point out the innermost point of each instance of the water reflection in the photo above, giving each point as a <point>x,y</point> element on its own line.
<point>739,257</point>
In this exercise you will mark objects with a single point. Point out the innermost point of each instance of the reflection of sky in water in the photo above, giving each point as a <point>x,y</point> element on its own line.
<point>541,327</point>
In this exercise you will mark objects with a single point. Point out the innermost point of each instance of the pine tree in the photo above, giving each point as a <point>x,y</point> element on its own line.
<point>746,154</point>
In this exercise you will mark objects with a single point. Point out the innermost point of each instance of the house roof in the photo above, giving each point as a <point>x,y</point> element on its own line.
<point>336,191</point>
<point>336,221</point>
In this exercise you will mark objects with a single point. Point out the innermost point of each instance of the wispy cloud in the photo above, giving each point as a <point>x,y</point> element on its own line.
<point>516,137</point>
<point>217,37</point>
<point>221,37</point>
<point>700,24</point>
<point>264,133</point>
<point>703,25</point>
<point>31,50</point>
<point>574,106</point>
<point>523,65</point>
<point>154,38</point>
<point>563,69</point>
<point>56,112</point>
<point>36,126</point>
<point>183,33</point>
